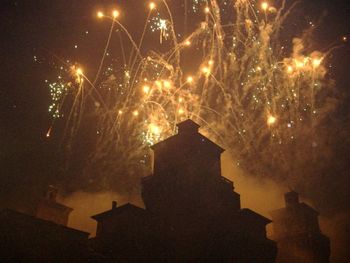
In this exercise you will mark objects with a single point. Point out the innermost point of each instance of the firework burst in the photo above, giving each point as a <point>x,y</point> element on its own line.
<point>260,99</point>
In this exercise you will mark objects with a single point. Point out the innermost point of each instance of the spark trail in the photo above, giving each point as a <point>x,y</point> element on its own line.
<point>262,100</point>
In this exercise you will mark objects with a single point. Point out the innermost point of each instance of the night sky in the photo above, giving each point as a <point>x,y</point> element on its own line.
<point>50,30</point>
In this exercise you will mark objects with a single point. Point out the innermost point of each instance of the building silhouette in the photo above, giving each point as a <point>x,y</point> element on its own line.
<point>297,232</point>
<point>49,209</point>
<point>192,213</point>
<point>25,238</point>
<point>44,237</point>
<point>129,234</point>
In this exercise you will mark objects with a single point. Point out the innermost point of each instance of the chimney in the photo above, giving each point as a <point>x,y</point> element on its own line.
<point>114,204</point>
<point>51,193</point>
<point>291,199</point>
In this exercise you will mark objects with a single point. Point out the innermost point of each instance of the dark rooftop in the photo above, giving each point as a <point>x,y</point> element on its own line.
<point>188,126</point>
<point>301,206</point>
<point>254,216</point>
<point>118,210</point>
<point>9,214</point>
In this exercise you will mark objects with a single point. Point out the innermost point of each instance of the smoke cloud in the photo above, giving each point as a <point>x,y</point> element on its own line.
<point>87,204</point>
<point>260,195</point>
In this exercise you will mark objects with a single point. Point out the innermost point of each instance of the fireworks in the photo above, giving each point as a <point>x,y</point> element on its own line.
<point>152,6</point>
<point>253,95</point>
<point>100,14</point>
<point>58,92</point>
<point>161,25</point>
<point>189,79</point>
<point>264,6</point>
<point>271,120</point>
<point>115,14</point>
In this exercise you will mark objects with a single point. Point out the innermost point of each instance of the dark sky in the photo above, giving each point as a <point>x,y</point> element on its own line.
<point>50,30</point>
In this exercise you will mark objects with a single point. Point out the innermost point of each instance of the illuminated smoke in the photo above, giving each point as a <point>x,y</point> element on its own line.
<point>260,99</point>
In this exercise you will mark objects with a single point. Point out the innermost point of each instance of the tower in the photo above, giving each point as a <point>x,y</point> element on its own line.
<point>187,178</point>
<point>297,232</point>
<point>192,212</point>
<point>198,206</point>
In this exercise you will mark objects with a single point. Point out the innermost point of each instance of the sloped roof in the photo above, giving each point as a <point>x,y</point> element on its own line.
<point>299,206</point>
<point>9,214</point>
<point>118,210</point>
<point>189,124</point>
<point>254,216</point>
<point>309,208</point>
<point>56,204</point>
